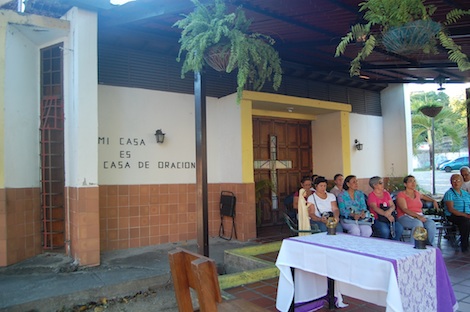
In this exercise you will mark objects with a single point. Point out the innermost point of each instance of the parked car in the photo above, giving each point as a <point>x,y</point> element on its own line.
<point>441,164</point>
<point>455,164</point>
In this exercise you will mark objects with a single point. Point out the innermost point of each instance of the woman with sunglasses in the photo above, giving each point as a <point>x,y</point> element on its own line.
<point>410,209</point>
<point>382,207</point>
<point>457,203</point>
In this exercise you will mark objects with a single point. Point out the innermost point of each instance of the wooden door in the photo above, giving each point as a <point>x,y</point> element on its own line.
<point>293,143</point>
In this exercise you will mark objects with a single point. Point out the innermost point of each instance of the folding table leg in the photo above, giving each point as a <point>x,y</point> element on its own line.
<point>331,294</point>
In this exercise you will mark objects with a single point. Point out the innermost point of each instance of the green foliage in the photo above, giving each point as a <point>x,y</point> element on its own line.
<point>263,190</point>
<point>251,53</point>
<point>394,184</point>
<point>449,126</point>
<point>388,14</point>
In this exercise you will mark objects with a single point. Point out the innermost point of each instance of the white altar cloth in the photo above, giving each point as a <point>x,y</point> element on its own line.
<point>384,272</point>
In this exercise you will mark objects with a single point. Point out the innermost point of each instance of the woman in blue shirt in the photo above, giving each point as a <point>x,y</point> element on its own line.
<point>353,208</point>
<point>457,202</point>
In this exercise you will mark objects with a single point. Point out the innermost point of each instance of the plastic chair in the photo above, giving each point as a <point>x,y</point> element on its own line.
<point>294,229</point>
<point>227,209</point>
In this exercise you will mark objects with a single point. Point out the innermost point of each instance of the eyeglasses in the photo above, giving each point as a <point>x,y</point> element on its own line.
<point>455,181</point>
<point>381,182</point>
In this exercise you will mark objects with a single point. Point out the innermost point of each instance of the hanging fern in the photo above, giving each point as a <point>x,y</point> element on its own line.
<point>392,14</point>
<point>252,54</point>
<point>454,15</point>
<point>455,51</point>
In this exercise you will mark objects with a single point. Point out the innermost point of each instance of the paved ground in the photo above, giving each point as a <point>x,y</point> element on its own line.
<point>126,280</point>
<point>424,179</point>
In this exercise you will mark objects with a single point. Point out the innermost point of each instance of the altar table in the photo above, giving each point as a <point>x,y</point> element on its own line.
<point>388,273</point>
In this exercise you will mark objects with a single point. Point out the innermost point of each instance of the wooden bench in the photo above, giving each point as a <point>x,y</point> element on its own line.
<point>191,270</point>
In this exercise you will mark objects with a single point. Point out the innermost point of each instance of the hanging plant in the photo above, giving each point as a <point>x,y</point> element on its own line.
<point>402,27</point>
<point>212,36</point>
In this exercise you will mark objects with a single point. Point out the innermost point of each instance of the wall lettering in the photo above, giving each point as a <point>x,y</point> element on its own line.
<point>176,165</point>
<point>127,162</point>
<point>116,165</point>
<point>131,141</point>
<point>103,140</point>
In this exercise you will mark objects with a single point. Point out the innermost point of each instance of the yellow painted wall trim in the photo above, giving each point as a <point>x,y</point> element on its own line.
<point>247,141</point>
<point>265,113</point>
<point>346,144</point>
<point>278,98</point>
<point>35,20</point>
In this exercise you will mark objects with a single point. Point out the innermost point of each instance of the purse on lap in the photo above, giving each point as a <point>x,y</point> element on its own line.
<point>385,208</point>
<point>368,220</point>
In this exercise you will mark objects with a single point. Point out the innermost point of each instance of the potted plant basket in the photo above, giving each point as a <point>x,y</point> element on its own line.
<point>402,27</point>
<point>211,35</point>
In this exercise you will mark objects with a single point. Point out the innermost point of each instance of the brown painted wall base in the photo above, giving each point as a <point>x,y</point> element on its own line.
<point>142,215</point>
<point>118,217</point>
<point>84,214</point>
<point>20,224</point>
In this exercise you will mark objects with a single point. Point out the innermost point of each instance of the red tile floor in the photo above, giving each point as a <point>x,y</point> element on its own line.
<point>264,292</point>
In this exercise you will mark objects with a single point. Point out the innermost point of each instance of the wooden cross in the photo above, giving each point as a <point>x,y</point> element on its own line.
<point>273,164</point>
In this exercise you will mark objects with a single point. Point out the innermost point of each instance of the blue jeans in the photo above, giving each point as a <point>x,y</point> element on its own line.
<point>382,229</point>
<point>322,226</point>
<point>411,223</point>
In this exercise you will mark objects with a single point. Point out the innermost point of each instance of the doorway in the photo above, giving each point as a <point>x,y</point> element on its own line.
<point>285,146</point>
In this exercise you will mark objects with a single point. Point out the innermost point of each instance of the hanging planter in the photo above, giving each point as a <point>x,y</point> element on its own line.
<point>430,111</point>
<point>218,57</point>
<point>211,35</point>
<point>402,27</point>
<point>411,37</point>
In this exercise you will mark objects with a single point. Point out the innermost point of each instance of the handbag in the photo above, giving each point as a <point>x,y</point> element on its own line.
<point>383,218</point>
<point>368,220</point>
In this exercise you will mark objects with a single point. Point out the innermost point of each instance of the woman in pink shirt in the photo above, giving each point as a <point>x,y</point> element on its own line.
<point>410,209</point>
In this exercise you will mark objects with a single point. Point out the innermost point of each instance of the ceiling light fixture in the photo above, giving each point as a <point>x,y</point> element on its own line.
<point>440,80</point>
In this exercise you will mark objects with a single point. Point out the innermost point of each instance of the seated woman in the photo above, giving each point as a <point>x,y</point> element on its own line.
<point>306,184</point>
<point>382,207</point>
<point>410,209</point>
<point>353,208</point>
<point>320,204</point>
<point>457,203</point>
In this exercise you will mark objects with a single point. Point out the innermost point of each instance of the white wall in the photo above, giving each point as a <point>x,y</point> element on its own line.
<point>327,145</point>
<point>136,114</point>
<point>224,154</point>
<point>21,111</point>
<point>398,160</point>
<point>368,130</point>
<point>81,99</point>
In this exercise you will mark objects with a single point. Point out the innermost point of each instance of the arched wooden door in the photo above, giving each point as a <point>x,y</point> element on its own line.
<point>282,150</point>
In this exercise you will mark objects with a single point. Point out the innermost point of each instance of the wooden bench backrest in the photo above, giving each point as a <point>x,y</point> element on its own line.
<point>191,270</point>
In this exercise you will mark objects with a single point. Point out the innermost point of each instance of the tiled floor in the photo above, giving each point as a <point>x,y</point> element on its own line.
<point>264,292</point>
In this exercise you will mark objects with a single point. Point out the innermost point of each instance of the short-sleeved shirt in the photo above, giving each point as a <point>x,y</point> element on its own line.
<point>347,204</point>
<point>323,204</point>
<point>384,200</point>
<point>466,186</point>
<point>413,204</point>
<point>461,201</point>
<point>335,190</point>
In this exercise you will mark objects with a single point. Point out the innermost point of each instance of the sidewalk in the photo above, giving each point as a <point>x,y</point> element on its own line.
<point>51,281</point>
